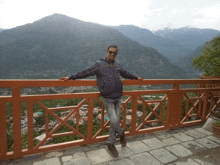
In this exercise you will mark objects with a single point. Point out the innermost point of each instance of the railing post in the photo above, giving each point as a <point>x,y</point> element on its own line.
<point>16,112</point>
<point>174,108</point>
<point>30,125</point>
<point>3,132</point>
<point>90,119</point>
<point>205,107</point>
<point>134,114</point>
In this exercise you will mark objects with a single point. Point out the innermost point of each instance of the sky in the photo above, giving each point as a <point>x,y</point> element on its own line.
<point>149,14</point>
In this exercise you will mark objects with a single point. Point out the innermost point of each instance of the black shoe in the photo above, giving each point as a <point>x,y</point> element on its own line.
<point>112,149</point>
<point>122,139</point>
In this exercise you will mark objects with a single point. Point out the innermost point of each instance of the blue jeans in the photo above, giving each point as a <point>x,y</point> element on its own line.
<point>113,108</point>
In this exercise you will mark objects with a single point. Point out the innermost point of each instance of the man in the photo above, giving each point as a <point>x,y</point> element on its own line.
<point>108,73</point>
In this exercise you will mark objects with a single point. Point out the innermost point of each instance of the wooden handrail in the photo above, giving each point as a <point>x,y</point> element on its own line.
<point>60,83</point>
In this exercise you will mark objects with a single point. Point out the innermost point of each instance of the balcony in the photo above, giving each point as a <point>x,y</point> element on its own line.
<point>143,112</point>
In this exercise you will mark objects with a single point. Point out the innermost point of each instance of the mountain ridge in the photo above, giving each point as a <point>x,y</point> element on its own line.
<point>168,48</point>
<point>188,36</point>
<point>62,43</point>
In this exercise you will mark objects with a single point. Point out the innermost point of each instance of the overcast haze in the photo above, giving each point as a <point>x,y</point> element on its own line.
<point>149,14</point>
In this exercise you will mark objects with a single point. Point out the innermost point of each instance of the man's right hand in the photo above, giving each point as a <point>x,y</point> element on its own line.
<point>64,78</point>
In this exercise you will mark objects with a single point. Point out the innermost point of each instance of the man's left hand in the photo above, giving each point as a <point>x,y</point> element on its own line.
<point>140,79</point>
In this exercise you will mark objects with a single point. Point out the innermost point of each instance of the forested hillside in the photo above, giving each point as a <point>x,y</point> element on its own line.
<point>62,45</point>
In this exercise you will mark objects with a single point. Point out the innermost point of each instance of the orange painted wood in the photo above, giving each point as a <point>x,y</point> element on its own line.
<point>90,120</point>
<point>191,123</point>
<point>3,134</point>
<point>62,134</point>
<point>134,114</point>
<point>174,110</point>
<point>86,82</point>
<point>173,115</point>
<point>30,125</point>
<point>16,112</point>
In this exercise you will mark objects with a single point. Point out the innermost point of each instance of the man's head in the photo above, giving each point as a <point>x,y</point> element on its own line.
<point>112,52</point>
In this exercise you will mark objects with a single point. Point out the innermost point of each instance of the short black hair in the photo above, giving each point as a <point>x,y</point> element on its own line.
<point>113,46</point>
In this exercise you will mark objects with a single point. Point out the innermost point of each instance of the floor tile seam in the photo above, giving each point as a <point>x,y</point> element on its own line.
<point>166,145</point>
<point>192,157</point>
<point>78,159</point>
<point>214,140</point>
<point>129,157</point>
<point>118,159</point>
<point>107,152</point>
<point>206,149</point>
<point>162,162</point>
<point>139,140</point>
<point>158,139</point>
<point>195,142</point>
<point>178,157</point>
<point>151,149</point>
<point>119,153</point>
<point>217,159</point>
<point>197,161</point>
<point>61,162</point>
<point>185,159</point>
<point>182,140</point>
<point>210,140</point>
<point>202,160</point>
<point>197,132</point>
<point>210,132</point>
<point>133,153</point>
<point>194,138</point>
<point>201,132</point>
<point>199,152</point>
<point>139,152</point>
<point>131,160</point>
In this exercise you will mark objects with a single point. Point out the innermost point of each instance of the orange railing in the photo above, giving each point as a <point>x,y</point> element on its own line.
<point>210,85</point>
<point>175,108</point>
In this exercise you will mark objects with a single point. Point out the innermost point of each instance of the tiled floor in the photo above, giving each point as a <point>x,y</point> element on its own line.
<point>191,145</point>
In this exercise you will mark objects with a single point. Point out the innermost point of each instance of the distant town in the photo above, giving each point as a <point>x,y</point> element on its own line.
<point>83,110</point>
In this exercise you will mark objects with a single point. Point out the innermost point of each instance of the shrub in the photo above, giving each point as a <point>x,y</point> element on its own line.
<point>217,123</point>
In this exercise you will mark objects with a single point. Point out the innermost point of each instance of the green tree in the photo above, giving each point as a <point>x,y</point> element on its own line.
<point>209,61</point>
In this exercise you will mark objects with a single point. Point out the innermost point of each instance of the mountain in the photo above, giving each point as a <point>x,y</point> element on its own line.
<point>168,48</point>
<point>57,46</point>
<point>188,37</point>
<point>1,30</point>
<point>186,62</point>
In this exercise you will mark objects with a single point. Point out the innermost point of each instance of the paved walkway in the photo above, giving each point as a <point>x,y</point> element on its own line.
<point>182,146</point>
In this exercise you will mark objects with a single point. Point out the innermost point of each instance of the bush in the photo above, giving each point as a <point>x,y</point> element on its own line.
<point>217,123</point>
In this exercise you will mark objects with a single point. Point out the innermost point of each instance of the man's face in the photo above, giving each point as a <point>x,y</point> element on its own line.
<point>111,54</point>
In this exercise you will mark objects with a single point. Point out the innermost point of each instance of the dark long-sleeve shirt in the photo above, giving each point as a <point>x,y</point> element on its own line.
<point>108,77</point>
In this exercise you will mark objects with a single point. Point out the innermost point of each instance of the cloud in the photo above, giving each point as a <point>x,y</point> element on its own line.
<point>196,13</point>
<point>150,14</point>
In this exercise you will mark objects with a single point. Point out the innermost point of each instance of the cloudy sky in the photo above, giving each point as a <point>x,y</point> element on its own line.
<point>149,14</point>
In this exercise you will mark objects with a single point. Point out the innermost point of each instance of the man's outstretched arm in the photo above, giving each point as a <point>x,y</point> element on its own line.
<point>139,78</point>
<point>64,78</point>
<point>83,74</point>
<point>128,75</point>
